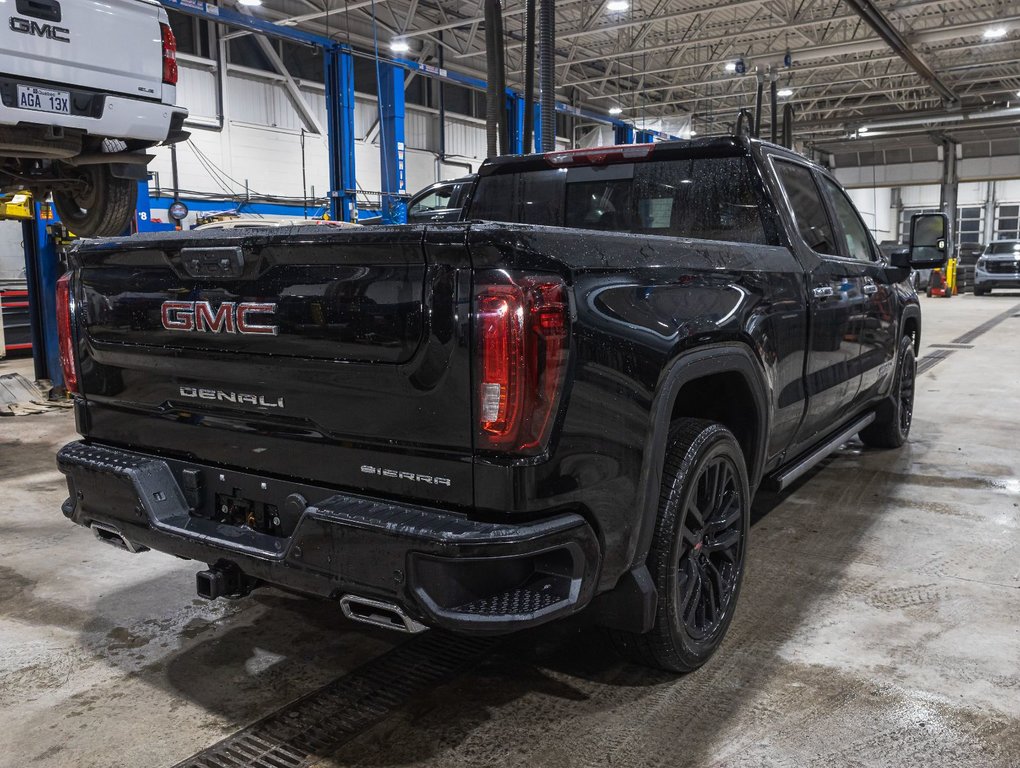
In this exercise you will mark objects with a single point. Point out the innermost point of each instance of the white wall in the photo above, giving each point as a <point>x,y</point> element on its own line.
<point>875,205</point>
<point>260,141</point>
<point>904,174</point>
<point>1007,191</point>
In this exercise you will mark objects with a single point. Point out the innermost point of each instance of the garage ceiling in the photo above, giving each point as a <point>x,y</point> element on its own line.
<point>660,58</point>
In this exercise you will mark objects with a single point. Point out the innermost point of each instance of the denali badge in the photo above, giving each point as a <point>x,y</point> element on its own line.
<point>228,317</point>
<point>49,31</point>
<point>414,477</point>
<point>231,397</point>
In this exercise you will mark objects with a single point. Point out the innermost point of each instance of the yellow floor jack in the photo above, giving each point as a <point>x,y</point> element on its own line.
<point>943,281</point>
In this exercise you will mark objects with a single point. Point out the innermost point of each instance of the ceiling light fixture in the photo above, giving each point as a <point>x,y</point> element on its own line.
<point>995,33</point>
<point>399,45</point>
<point>862,129</point>
<point>250,2</point>
<point>731,66</point>
<point>615,6</point>
<point>784,93</point>
<point>615,110</point>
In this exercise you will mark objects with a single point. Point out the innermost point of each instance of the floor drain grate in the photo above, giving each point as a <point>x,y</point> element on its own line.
<point>932,359</point>
<point>969,336</point>
<point>316,725</point>
<point>951,346</point>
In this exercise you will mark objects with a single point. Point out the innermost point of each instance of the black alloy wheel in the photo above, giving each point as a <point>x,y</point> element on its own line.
<point>696,558</point>
<point>711,552</point>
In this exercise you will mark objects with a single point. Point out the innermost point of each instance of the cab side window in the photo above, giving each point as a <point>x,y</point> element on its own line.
<point>858,243</point>
<point>807,207</point>
<point>436,200</point>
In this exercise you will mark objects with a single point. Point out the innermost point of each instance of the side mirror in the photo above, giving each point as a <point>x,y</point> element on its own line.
<point>929,240</point>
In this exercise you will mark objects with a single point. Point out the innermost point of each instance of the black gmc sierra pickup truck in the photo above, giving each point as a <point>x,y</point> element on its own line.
<point>565,402</point>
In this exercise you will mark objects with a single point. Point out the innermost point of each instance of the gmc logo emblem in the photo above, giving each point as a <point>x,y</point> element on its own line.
<point>229,317</point>
<point>48,31</point>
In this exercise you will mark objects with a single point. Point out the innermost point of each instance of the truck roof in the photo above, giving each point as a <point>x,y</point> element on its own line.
<point>715,146</point>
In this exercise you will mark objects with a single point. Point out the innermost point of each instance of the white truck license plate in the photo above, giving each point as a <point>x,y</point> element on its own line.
<point>44,100</point>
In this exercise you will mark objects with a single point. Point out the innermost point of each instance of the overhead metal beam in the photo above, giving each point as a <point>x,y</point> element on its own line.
<point>293,21</point>
<point>637,22</point>
<point>306,113</point>
<point>674,44</point>
<point>877,20</point>
<point>832,50</point>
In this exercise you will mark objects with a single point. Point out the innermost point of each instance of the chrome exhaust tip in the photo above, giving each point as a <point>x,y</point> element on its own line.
<point>110,535</point>
<point>379,614</point>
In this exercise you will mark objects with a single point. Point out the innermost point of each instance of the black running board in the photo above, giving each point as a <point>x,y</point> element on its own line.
<point>785,478</point>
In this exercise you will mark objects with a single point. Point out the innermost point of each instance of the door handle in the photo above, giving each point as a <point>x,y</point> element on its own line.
<point>870,288</point>
<point>823,292</point>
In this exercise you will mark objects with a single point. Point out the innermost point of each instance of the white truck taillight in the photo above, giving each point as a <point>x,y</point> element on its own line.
<point>65,339</point>
<point>169,54</point>
<point>521,344</point>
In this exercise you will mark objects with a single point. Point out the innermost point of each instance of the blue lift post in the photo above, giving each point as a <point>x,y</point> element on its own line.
<point>515,119</point>
<point>339,65</point>
<point>42,269</point>
<point>393,170</point>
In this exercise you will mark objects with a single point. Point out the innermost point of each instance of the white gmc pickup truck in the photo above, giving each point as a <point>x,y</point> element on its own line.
<point>87,86</point>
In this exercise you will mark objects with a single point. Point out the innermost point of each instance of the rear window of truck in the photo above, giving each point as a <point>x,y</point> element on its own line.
<point>710,198</point>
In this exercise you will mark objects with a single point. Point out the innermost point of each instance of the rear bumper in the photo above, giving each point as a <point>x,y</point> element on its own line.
<point>443,569</point>
<point>105,115</point>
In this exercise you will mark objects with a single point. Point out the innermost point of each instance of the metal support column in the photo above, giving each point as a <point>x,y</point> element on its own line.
<point>949,189</point>
<point>42,269</point>
<point>391,143</point>
<point>339,65</point>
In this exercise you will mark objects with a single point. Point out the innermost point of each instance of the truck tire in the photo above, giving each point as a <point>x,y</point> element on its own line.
<point>698,549</point>
<point>980,291</point>
<point>892,424</point>
<point>106,207</point>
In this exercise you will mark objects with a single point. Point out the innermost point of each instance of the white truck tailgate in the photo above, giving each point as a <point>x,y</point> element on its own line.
<point>108,45</point>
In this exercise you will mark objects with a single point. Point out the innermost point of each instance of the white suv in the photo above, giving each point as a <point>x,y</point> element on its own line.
<point>998,267</point>
<point>86,87</point>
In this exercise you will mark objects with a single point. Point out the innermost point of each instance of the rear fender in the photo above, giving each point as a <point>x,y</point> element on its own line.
<point>688,367</point>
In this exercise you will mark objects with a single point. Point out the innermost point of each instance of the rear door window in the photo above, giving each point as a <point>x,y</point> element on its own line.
<point>806,207</point>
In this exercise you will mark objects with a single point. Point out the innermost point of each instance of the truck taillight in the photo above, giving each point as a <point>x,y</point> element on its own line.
<point>169,54</point>
<point>65,340</point>
<point>521,345</point>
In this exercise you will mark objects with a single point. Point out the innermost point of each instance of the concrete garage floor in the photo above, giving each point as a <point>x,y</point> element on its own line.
<point>879,625</point>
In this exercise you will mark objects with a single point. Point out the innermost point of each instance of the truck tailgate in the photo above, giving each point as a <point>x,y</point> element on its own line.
<point>85,43</point>
<point>337,357</point>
